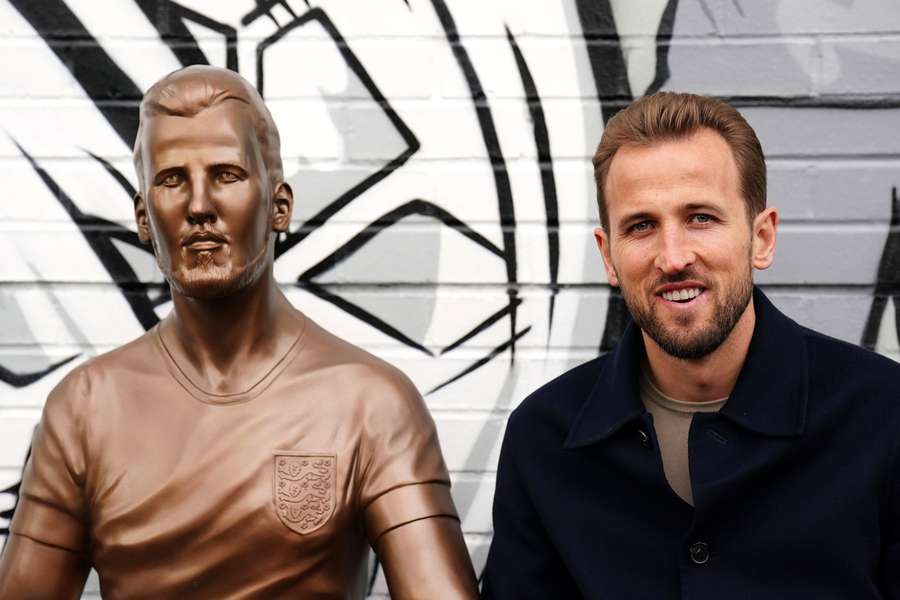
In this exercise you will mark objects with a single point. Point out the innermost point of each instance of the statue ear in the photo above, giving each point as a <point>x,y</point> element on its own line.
<point>282,206</point>
<point>140,217</point>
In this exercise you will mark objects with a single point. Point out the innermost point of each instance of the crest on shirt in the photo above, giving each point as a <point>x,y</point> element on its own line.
<point>305,489</point>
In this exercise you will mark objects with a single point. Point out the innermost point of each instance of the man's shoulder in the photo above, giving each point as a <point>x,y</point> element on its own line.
<point>554,407</point>
<point>831,358</point>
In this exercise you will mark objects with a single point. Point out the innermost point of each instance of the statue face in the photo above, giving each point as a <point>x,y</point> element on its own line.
<point>208,205</point>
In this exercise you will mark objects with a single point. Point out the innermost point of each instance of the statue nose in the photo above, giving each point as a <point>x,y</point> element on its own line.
<point>200,207</point>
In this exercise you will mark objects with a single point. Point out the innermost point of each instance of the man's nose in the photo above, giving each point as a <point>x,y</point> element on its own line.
<point>674,253</point>
<point>200,206</point>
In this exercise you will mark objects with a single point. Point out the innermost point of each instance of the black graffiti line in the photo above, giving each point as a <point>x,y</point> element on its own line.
<point>129,237</point>
<point>494,152</point>
<point>229,32</point>
<point>100,241</point>
<point>508,344</point>
<point>617,317</point>
<point>168,19</point>
<point>264,7</point>
<point>413,207</point>
<point>292,239</point>
<point>406,134</point>
<point>374,575</point>
<point>20,380</point>
<point>606,58</point>
<point>663,37</point>
<point>182,44</point>
<point>887,283</point>
<point>611,80</point>
<point>481,327</point>
<point>116,174</point>
<point>97,73</point>
<point>14,491</point>
<point>363,315</point>
<point>545,165</point>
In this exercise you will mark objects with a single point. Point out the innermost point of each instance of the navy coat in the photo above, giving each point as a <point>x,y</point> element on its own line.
<point>796,481</point>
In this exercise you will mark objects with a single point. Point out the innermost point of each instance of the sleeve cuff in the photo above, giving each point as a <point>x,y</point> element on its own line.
<point>408,503</point>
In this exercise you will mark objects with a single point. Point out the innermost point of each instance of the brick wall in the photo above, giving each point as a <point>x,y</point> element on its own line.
<point>439,152</point>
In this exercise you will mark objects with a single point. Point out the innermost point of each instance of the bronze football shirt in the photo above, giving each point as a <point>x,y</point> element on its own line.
<point>274,492</point>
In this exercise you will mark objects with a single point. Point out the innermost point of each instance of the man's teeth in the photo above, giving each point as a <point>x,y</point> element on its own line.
<point>681,295</point>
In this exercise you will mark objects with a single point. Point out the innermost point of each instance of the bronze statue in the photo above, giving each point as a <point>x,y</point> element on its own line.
<point>237,449</point>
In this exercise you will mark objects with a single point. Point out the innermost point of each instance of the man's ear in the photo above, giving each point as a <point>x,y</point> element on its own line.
<point>140,217</point>
<point>765,226</point>
<point>282,207</point>
<point>602,238</point>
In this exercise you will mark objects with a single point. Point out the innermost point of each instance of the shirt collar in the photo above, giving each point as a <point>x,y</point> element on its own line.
<point>769,397</point>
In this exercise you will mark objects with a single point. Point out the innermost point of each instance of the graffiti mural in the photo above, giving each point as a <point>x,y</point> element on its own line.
<point>439,152</point>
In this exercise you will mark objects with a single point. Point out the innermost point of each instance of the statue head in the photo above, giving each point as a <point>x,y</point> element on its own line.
<point>212,188</point>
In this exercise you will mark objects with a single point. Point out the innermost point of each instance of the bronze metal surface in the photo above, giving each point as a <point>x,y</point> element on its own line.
<point>236,450</point>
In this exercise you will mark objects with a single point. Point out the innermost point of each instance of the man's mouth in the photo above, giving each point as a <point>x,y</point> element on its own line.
<point>682,295</point>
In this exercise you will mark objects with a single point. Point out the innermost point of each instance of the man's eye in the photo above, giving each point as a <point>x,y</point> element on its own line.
<point>228,177</point>
<point>640,227</point>
<point>702,219</point>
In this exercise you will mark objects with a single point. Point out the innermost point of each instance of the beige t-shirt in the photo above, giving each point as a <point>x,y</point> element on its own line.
<point>173,492</point>
<point>672,422</point>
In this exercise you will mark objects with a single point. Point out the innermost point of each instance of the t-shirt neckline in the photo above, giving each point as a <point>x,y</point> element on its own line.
<point>251,392</point>
<point>655,395</point>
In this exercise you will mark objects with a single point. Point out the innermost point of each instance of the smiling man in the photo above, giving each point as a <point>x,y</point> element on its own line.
<point>237,450</point>
<point>720,450</point>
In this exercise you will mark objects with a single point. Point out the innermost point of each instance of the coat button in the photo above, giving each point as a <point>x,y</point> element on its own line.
<point>645,439</point>
<point>699,552</point>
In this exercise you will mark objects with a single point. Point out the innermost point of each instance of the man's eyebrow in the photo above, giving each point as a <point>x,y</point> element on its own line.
<point>701,206</point>
<point>634,217</point>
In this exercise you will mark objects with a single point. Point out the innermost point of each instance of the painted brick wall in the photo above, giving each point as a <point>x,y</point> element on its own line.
<point>439,150</point>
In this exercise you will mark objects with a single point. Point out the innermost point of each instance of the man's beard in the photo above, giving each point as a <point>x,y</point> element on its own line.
<point>693,342</point>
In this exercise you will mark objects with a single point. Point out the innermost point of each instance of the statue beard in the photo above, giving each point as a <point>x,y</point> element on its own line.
<point>204,277</point>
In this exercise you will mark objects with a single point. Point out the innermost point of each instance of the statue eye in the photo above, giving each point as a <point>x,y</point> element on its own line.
<point>228,177</point>
<point>172,180</point>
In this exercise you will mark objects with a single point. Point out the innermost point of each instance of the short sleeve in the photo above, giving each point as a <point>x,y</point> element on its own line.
<point>51,507</point>
<point>405,478</point>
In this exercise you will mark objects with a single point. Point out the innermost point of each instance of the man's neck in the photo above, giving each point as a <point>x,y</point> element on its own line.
<point>227,344</point>
<point>704,379</point>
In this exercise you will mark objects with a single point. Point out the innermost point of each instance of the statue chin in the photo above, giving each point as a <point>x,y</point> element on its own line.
<point>213,282</point>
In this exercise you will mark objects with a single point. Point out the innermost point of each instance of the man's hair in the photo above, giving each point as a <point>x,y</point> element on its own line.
<point>191,90</point>
<point>668,116</point>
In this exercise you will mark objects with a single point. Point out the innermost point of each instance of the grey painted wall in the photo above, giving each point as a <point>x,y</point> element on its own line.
<point>440,154</point>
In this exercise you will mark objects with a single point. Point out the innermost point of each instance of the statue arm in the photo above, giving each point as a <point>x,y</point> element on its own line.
<point>427,559</point>
<point>31,569</point>
<point>46,553</point>
<point>409,515</point>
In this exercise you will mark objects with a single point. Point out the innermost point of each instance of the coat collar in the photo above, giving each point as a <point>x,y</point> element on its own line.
<point>769,397</point>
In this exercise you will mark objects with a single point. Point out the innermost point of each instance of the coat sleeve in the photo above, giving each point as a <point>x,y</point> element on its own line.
<point>522,563</point>
<point>889,569</point>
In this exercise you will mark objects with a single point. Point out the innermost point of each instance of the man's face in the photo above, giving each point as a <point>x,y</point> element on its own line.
<point>206,200</point>
<point>679,242</point>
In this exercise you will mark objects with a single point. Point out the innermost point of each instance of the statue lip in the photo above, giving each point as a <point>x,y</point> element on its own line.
<point>204,239</point>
